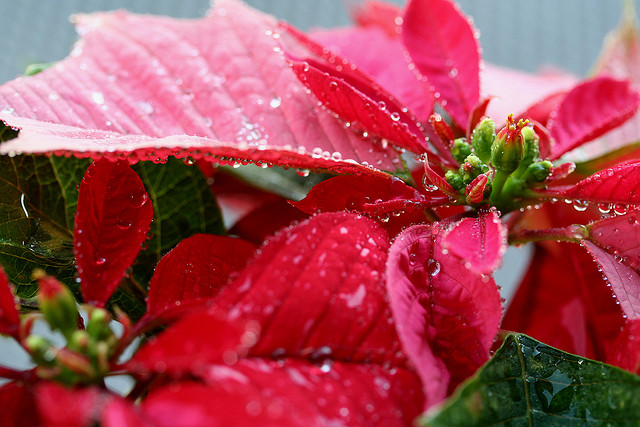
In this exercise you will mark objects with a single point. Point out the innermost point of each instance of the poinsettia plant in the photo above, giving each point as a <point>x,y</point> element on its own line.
<point>369,299</point>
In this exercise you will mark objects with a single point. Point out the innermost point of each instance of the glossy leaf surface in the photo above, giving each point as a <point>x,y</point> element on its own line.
<point>619,184</point>
<point>530,383</point>
<point>38,200</point>
<point>195,270</point>
<point>447,315</point>
<point>113,218</point>
<point>442,45</point>
<point>324,279</point>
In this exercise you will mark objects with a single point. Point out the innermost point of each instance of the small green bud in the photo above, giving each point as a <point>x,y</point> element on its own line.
<point>471,168</point>
<point>539,171</point>
<point>531,146</point>
<point>460,149</point>
<point>57,304</point>
<point>454,180</point>
<point>79,341</point>
<point>98,324</point>
<point>508,147</point>
<point>482,138</point>
<point>40,349</point>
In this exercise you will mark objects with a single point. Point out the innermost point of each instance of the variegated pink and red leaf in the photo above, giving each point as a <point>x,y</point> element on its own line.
<point>113,217</point>
<point>480,242</point>
<point>447,315</point>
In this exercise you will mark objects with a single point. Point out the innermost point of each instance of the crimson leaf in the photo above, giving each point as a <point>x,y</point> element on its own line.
<point>195,270</point>
<point>112,220</point>
<point>443,46</point>
<point>9,319</point>
<point>589,110</point>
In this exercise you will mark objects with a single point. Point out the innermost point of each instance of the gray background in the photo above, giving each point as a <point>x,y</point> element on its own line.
<point>523,34</point>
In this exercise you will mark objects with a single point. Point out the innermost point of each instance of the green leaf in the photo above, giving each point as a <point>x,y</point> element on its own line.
<point>38,197</point>
<point>529,383</point>
<point>183,205</point>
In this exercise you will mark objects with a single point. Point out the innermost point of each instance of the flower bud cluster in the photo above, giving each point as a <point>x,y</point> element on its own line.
<point>498,168</point>
<point>86,356</point>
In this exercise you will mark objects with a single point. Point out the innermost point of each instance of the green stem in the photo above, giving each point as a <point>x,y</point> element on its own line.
<point>499,179</point>
<point>573,233</point>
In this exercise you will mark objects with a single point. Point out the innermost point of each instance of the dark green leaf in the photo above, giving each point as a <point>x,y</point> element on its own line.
<point>38,197</point>
<point>528,383</point>
<point>183,205</point>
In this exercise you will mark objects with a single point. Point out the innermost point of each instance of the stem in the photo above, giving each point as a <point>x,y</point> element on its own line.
<point>573,233</point>
<point>499,179</point>
<point>15,375</point>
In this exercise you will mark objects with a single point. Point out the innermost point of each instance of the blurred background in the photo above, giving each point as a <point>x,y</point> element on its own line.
<point>521,34</point>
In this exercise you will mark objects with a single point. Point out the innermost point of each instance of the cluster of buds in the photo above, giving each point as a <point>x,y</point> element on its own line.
<point>497,169</point>
<point>86,356</point>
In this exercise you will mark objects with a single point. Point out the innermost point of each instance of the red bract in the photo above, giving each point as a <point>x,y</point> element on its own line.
<point>195,270</point>
<point>322,346</point>
<point>578,119</point>
<point>445,50</point>
<point>9,320</point>
<point>564,301</point>
<point>447,315</point>
<point>112,220</point>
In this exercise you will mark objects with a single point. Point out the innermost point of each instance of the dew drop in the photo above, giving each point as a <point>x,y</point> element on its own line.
<point>395,116</point>
<point>124,224</point>
<point>97,97</point>
<point>433,267</point>
<point>275,102</point>
<point>580,205</point>
<point>620,209</point>
<point>100,260</point>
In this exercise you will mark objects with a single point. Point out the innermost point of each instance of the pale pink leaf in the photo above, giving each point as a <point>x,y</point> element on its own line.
<point>216,87</point>
<point>443,46</point>
<point>446,315</point>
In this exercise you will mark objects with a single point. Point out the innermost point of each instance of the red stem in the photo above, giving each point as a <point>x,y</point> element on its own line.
<point>573,233</point>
